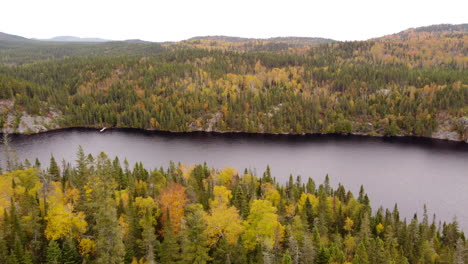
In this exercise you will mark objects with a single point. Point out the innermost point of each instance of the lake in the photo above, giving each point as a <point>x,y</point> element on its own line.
<point>408,171</point>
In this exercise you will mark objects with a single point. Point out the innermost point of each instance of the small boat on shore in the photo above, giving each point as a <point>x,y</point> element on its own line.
<point>102,130</point>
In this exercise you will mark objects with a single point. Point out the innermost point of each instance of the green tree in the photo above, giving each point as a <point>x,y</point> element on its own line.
<point>169,248</point>
<point>109,246</point>
<point>286,258</point>
<point>54,253</point>
<point>70,254</point>
<point>361,257</point>
<point>194,238</point>
<point>54,170</point>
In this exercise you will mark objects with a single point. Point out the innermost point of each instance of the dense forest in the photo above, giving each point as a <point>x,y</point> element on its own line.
<point>100,210</point>
<point>412,83</point>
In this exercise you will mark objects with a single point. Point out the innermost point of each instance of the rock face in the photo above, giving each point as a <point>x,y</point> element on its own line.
<point>446,135</point>
<point>29,124</point>
<point>463,122</point>
<point>453,129</point>
<point>211,123</point>
<point>24,123</point>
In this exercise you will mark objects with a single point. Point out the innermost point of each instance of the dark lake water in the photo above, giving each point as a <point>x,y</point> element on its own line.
<point>410,172</point>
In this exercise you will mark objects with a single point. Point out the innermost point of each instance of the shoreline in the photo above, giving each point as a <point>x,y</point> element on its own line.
<point>217,132</point>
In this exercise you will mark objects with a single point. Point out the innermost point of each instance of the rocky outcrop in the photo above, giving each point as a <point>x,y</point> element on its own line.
<point>452,129</point>
<point>211,123</point>
<point>24,123</point>
<point>28,124</point>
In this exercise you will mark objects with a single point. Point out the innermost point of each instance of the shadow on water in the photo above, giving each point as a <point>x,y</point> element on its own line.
<point>405,141</point>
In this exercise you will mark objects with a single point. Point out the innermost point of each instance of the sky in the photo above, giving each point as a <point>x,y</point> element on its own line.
<point>174,20</point>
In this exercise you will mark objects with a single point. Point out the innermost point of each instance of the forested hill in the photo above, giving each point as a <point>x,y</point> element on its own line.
<point>412,83</point>
<point>102,212</point>
<point>290,40</point>
<point>438,30</point>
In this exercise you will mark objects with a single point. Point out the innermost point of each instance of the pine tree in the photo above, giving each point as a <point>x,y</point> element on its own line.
<point>323,256</point>
<point>81,170</point>
<point>169,248</point>
<point>310,187</point>
<point>3,248</point>
<point>54,171</point>
<point>70,254</point>
<point>240,202</point>
<point>361,257</point>
<point>54,253</point>
<point>195,242</point>
<point>109,246</point>
<point>28,258</point>
<point>309,213</point>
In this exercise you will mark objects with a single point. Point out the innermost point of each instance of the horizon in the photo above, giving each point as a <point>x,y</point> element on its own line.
<point>101,39</point>
<point>180,20</point>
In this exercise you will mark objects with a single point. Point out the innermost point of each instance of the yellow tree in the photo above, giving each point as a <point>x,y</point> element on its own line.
<point>147,211</point>
<point>262,226</point>
<point>224,177</point>
<point>62,219</point>
<point>223,221</point>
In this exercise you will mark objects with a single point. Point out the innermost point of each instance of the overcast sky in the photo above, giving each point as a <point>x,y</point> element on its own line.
<point>172,20</point>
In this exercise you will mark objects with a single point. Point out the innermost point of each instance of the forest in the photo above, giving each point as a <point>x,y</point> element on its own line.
<point>103,210</point>
<point>413,83</point>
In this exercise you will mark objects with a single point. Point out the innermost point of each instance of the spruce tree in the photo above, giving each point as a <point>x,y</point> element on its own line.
<point>70,254</point>
<point>109,245</point>
<point>54,171</point>
<point>169,248</point>
<point>195,242</point>
<point>361,256</point>
<point>54,253</point>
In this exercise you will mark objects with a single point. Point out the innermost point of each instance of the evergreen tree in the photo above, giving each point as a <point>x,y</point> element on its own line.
<point>195,242</point>
<point>54,170</point>
<point>109,246</point>
<point>323,256</point>
<point>54,253</point>
<point>28,258</point>
<point>287,258</point>
<point>3,248</point>
<point>169,248</point>
<point>361,256</point>
<point>69,253</point>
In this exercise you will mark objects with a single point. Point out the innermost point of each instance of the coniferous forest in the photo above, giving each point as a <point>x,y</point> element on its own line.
<point>413,83</point>
<point>99,210</point>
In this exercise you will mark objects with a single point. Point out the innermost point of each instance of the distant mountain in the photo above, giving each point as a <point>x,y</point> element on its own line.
<point>301,40</point>
<point>136,41</point>
<point>285,40</point>
<point>427,32</point>
<point>222,38</point>
<point>9,37</point>
<point>75,39</point>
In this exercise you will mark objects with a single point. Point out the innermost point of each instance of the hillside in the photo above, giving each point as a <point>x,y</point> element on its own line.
<point>414,83</point>
<point>8,37</point>
<point>288,40</point>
